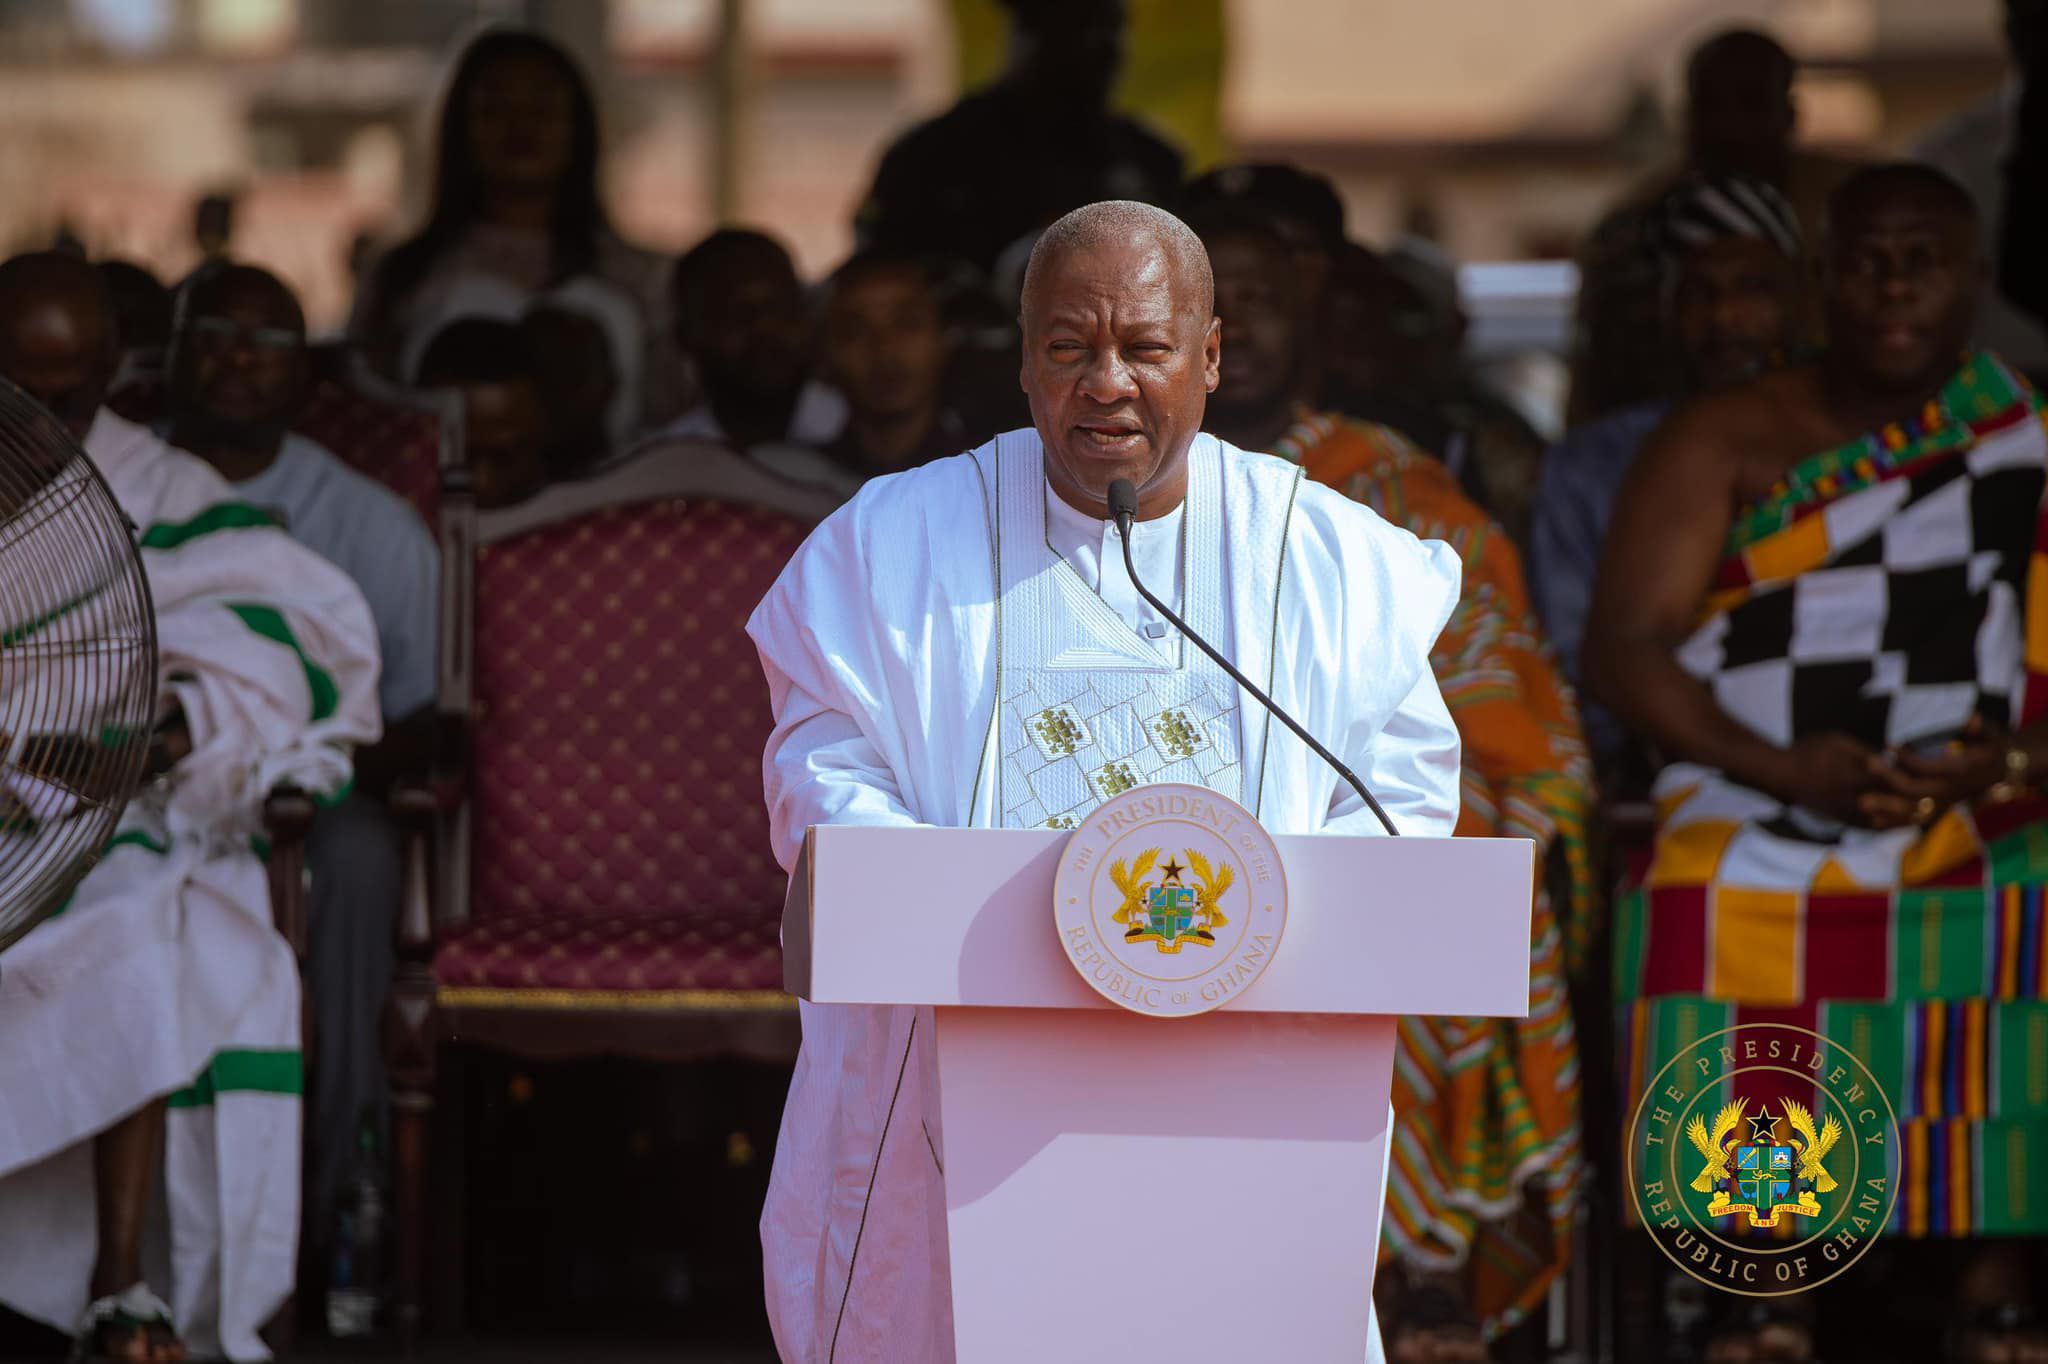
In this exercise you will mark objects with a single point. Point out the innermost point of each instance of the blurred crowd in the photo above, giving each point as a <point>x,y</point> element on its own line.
<point>1745,317</point>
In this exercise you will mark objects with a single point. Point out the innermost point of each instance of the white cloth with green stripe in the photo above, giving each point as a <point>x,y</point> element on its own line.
<point>164,976</point>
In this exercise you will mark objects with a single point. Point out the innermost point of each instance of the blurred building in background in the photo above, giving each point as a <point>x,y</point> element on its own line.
<point>1498,127</point>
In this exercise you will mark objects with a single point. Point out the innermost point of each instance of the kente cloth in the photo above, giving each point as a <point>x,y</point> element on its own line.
<point>887,644</point>
<point>163,976</point>
<point>1893,588</point>
<point>1487,1161</point>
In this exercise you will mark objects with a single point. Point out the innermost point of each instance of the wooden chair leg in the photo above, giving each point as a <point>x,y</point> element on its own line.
<point>411,1037</point>
<point>410,1051</point>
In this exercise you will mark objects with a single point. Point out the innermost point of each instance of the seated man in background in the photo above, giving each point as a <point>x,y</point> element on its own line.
<point>152,1025</point>
<point>142,319</point>
<point>741,318</point>
<point>1499,1127</point>
<point>1730,251</point>
<point>1823,599</point>
<point>505,420</point>
<point>238,376</point>
<point>580,385</point>
<point>886,348</point>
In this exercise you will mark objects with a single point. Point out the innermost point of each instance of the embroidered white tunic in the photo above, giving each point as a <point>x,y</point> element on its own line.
<point>1099,694</point>
<point>908,643</point>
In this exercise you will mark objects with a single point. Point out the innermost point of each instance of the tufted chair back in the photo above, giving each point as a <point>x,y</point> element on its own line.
<point>620,718</point>
<point>398,446</point>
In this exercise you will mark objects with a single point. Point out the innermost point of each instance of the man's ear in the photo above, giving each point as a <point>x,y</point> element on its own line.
<point>1212,356</point>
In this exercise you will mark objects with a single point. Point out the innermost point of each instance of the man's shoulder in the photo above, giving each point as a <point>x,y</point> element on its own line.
<point>1734,421</point>
<point>947,484</point>
<point>1612,438</point>
<point>955,131</point>
<point>364,496</point>
<point>1318,517</point>
<point>154,480</point>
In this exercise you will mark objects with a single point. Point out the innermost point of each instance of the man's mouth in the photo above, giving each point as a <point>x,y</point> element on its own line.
<point>1110,437</point>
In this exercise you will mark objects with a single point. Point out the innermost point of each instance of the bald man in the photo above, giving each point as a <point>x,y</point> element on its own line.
<point>905,642</point>
<point>152,1026</point>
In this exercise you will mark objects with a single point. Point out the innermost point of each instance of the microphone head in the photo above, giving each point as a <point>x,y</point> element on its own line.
<point>1123,501</point>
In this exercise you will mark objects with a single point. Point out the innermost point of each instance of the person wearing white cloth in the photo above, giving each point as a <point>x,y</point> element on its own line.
<point>149,1031</point>
<point>918,629</point>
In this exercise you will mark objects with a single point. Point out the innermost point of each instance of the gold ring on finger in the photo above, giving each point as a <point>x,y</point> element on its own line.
<point>1924,810</point>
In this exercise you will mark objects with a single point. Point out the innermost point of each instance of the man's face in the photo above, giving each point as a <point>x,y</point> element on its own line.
<point>1358,319</point>
<point>750,338</point>
<point>522,121</point>
<point>1118,371</point>
<point>1739,118</point>
<point>505,432</point>
<point>1261,323</point>
<point>1734,305</point>
<point>885,344</point>
<point>1902,280</point>
<point>241,359</point>
<point>62,355</point>
<point>1075,47</point>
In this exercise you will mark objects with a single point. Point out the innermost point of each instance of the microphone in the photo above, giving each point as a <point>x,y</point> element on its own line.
<point>1123,508</point>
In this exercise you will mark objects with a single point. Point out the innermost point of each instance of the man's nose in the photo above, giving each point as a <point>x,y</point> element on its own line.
<point>1894,280</point>
<point>1107,379</point>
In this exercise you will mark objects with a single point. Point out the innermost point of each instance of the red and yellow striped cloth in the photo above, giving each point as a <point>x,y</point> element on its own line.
<point>1486,1160</point>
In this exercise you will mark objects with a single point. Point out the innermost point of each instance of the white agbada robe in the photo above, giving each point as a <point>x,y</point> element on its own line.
<point>882,644</point>
<point>164,975</point>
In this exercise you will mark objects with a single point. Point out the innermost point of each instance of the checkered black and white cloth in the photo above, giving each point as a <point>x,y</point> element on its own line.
<point>1910,623</point>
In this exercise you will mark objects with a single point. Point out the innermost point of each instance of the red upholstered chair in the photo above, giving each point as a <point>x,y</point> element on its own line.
<point>392,434</point>
<point>601,878</point>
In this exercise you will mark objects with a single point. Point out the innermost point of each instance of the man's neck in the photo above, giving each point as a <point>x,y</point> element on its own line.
<point>754,421</point>
<point>1153,501</point>
<point>518,206</point>
<point>888,441</point>
<point>1258,427</point>
<point>235,458</point>
<point>1859,407</point>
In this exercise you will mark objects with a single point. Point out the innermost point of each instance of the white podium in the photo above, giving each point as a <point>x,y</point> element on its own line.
<point>1124,1188</point>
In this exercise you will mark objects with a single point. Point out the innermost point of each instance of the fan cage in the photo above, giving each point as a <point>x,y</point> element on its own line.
<point>78,683</point>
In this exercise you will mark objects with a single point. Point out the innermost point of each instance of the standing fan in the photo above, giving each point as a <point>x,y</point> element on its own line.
<point>78,664</point>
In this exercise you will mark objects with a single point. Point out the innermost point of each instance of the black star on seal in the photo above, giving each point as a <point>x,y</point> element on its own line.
<point>1763,1128</point>
<point>1173,870</point>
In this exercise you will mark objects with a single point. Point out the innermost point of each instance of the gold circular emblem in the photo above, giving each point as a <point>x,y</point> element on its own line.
<point>1763,1159</point>
<point>1170,899</point>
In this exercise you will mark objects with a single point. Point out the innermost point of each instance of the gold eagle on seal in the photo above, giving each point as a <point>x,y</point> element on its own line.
<point>1171,913</point>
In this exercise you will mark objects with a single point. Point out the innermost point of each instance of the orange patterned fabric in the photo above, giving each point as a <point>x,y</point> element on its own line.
<point>620,721</point>
<point>1486,1166</point>
<point>398,447</point>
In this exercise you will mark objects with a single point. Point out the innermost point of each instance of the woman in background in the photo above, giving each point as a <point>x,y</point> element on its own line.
<point>515,216</point>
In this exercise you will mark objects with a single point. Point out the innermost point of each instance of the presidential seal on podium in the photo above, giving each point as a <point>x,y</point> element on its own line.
<point>1170,899</point>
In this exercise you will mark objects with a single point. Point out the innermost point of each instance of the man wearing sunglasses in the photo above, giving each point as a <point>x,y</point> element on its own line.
<point>238,369</point>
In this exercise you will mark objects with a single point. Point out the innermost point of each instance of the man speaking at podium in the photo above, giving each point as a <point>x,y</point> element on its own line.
<point>962,646</point>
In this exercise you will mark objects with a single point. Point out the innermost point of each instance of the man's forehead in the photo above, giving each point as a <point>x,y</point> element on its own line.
<point>54,320</point>
<point>1123,274</point>
<point>1901,214</point>
<point>251,296</point>
<point>893,282</point>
